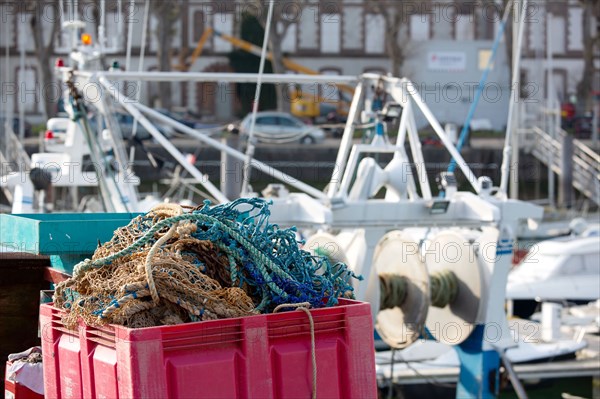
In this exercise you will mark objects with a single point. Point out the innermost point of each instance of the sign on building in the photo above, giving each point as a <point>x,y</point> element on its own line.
<point>446,61</point>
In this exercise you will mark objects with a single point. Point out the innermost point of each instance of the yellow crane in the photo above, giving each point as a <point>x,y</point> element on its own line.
<point>183,66</point>
<point>302,104</point>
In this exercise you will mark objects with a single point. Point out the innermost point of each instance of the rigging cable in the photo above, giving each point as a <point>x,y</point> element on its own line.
<point>250,150</point>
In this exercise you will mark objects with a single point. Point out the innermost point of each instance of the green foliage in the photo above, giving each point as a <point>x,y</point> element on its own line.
<point>242,61</point>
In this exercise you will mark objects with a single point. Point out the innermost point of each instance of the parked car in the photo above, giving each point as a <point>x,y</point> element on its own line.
<point>126,124</point>
<point>279,127</point>
<point>188,120</point>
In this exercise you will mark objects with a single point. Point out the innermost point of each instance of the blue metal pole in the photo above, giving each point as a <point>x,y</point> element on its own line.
<point>486,72</point>
<point>479,369</point>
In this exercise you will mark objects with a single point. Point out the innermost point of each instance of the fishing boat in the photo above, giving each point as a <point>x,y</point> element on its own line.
<point>564,270</point>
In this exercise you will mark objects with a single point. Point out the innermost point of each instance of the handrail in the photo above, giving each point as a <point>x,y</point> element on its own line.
<point>583,148</point>
<point>586,163</point>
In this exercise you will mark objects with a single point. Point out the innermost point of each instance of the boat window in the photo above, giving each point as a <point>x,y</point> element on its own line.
<point>537,267</point>
<point>592,263</point>
<point>571,266</point>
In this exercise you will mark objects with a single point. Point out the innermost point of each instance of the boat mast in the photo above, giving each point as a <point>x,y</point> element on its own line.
<point>510,142</point>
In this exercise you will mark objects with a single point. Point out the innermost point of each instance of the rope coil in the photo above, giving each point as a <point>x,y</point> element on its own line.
<point>394,288</point>
<point>444,288</point>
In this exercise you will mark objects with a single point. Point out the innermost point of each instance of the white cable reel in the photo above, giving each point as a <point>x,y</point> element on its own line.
<point>404,290</point>
<point>451,253</point>
<point>438,288</point>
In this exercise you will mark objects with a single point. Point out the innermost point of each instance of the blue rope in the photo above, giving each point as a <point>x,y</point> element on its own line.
<point>465,129</point>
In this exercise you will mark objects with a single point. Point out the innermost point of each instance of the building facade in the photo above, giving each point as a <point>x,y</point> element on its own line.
<point>446,43</point>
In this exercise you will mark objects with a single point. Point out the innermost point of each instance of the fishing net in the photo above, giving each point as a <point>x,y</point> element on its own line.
<point>175,265</point>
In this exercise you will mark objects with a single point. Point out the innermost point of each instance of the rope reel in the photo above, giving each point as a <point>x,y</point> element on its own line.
<point>404,290</point>
<point>451,253</point>
<point>440,290</point>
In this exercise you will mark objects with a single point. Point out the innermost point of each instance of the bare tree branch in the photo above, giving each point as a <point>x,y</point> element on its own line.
<point>395,16</point>
<point>591,48</point>
<point>280,23</point>
<point>167,13</point>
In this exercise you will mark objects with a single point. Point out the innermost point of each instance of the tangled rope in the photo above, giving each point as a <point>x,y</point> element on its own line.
<point>171,266</point>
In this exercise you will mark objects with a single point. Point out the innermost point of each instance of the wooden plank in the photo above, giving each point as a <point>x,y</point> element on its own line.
<point>55,276</point>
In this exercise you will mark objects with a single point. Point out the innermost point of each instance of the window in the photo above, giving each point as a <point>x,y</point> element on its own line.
<point>7,22</point>
<point>442,26</point>
<point>591,264</point>
<point>537,36</point>
<point>375,33</point>
<point>307,37</point>
<point>557,27</point>
<point>575,29</point>
<point>464,28</point>
<point>266,120</point>
<point>151,34</point>
<point>572,265</point>
<point>224,24</point>
<point>289,122</point>
<point>352,29</point>
<point>484,59</point>
<point>288,44</point>
<point>330,33</point>
<point>113,24</point>
<point>29,93</point>
<point>23,32</point>
<point>198,27</point>
<point>419,27</point>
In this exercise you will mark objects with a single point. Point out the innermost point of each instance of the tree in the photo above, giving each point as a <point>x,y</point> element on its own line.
<point>285,13</point>
<point>395,15</point>
<point>44,48</point>
<point>591,48</point>
<point>242,61</point>
<point>167,13</point>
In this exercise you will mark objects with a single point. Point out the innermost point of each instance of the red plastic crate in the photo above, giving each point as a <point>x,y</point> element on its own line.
<point>263,356</point>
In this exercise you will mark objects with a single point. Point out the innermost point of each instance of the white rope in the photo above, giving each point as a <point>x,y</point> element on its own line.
<point>174,210</point>
<point>250,150</point>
